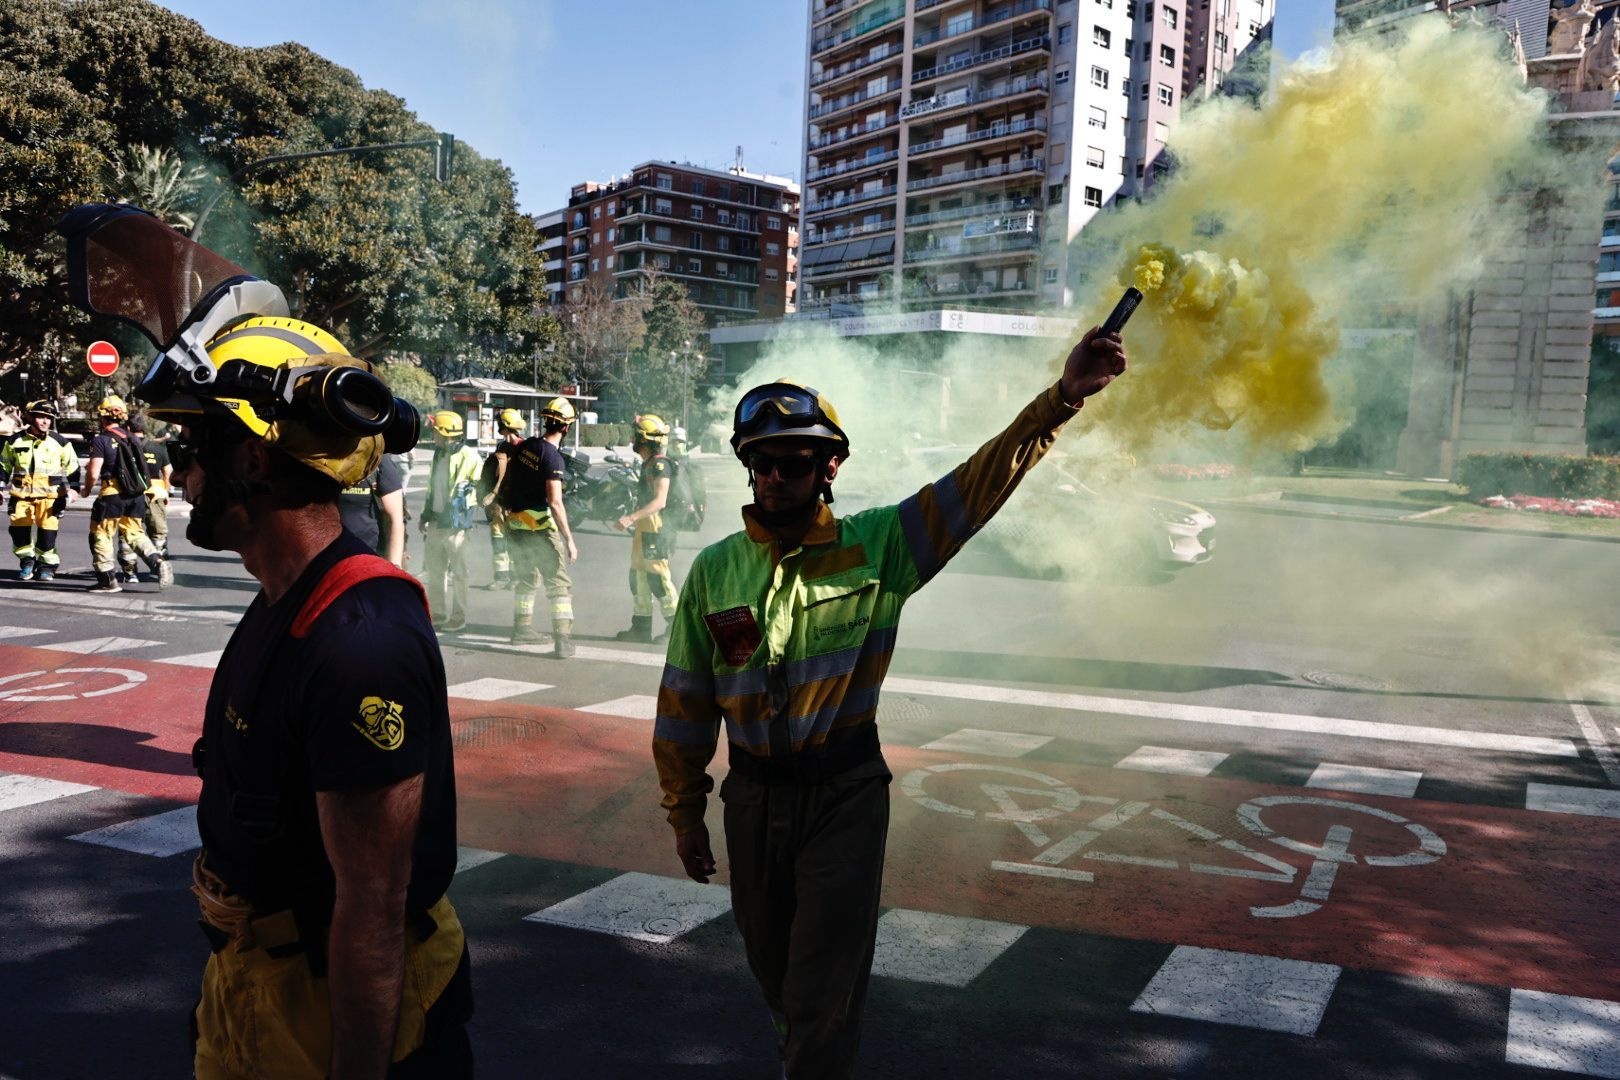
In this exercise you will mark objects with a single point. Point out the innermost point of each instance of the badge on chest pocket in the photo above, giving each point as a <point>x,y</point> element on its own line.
<point>736,632</point>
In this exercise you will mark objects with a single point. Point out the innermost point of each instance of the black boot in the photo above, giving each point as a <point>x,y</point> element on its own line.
<point>25,569</point>
<point>640,630</point>
<point>105,583</point>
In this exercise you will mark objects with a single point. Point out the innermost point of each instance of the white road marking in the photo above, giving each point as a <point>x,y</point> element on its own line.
<point>21,631</point>
<point>18,790</point>
<point>130,605</point>
<point>948,950</point>
<point>633,706</point>
<point>1364,779</point>
<point>162,835</point>
<point>639,906</point>
<point>96,645</point>
<point>1223,987</point>
<point>1007,744</point>
<point>202,659</point>
<point>1570,1034</point>
<point>1599,745</point>
<point>1169,759</point>
<point>496,689</point>
<point>1561,799</point>
<point>469,857</point>
<point>130,677</point>
<point>1210,714</point>
<point>1035,870</point>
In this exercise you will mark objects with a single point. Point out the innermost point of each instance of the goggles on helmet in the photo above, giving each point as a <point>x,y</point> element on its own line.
<point>788,402</point>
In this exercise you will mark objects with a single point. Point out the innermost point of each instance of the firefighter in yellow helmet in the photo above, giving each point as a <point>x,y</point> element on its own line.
<point>116,475</point>
<point>651,544</point>
<point>529,500</point>
<point>446,516</point>
<point>39,465</point>
<point>511,425</point>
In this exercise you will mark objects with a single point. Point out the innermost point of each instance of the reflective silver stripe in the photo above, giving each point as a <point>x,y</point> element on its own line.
<point>675,730</point>
<point>688,682</point>
<point>949,498</point>
<point>922,549</point>
<point>279,333</point>
<point>803,727</point>
<point>742,683</point>
<point>756,733</point>
<point>842,662</point>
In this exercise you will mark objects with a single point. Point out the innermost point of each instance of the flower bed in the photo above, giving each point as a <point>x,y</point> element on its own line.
<point>1602,508</point>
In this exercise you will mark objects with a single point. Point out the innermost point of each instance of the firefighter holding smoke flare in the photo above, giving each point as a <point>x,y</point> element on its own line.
<point>327,811</point>
<point>784,632</point>
<point>40,464</point>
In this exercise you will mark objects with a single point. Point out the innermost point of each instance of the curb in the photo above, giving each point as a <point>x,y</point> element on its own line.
<point>1264,507</point>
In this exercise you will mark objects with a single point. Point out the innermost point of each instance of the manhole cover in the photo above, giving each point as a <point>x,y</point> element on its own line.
<point>902,710</point>
<point>667,927</point>
<point>488,731</point>
<point>1339,680</point>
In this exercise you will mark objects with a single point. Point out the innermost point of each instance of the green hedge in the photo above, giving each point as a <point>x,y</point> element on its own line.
<point>604,435</point>
<point>1549,476</point>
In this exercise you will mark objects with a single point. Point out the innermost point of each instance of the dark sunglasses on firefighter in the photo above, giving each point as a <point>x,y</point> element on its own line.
<point>796,467</point>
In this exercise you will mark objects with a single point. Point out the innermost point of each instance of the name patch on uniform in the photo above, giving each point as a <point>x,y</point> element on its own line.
<point>383,722</point>
<point>736,632</point>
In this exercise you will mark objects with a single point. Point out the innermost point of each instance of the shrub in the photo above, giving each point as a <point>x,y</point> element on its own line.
<point>1551,476</point>
<point>604,435</point>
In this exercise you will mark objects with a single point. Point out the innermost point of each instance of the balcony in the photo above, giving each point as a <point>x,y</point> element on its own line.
<point>923,290</point>
<point>989,172</point>
<point>998,130</point>
<point>849,67</point>
<point>868,128</point>
<point>629,243</point>
<point>860,29</point>
<point>974,248</point>
<point>965,96</point>
<point>923,5</point>
<point>850,199</point>
<point>871,161</point>
<point>634,216</point>
<point>958,213</point>
<point>829,11</point>
<point>1005,52</point>
<point>676,271</point>
<point>875,296</point>
<point>1021,8</point>
<point>848,232</point>
<point>849,101</point>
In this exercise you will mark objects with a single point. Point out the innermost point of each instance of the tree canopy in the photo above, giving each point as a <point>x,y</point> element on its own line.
<point>371,247</point>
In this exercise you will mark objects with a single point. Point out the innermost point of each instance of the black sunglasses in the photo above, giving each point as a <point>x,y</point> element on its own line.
<point>788,468</point>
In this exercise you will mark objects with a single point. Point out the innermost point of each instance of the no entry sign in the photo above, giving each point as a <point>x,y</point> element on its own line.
<point>102,357</point>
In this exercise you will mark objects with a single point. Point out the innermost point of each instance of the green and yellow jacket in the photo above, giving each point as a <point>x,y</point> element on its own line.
<point>38,468</point>
<point>789,647</point>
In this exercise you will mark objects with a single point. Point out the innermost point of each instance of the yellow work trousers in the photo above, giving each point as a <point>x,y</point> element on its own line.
<point>538,556</point>
<point>34,525</point>
<point>115,518</point>
<point>650,580</point>
<point>446,563</point>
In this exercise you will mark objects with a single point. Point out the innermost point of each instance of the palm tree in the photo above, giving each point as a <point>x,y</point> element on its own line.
<point>156,179</point>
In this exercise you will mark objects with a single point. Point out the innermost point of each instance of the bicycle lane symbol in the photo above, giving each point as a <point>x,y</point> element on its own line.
<point>1046,799</point>
<point>127,679</point>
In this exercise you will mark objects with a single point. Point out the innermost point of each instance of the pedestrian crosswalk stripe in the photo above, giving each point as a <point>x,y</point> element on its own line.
<point>642,907</point>
<point>496,689</point>
<point>469,857</point>
<point>1007,744</point>
<point>162,835</point>
<point>1168,759</point>
<point>635,707</point>
<point>22,631</point>
<point>101,645</point>
<point>949,950</point>
<point>18,790</point>
<point>1570,1034</point>
<point>1562,799</point>
<point>1364,779</point>
<point>1240,989</point>
<point>202,659</point>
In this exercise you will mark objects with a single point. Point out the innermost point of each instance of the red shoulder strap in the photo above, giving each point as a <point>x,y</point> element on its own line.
<point>345,575</point>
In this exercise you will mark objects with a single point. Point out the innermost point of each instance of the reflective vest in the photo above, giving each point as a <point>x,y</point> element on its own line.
<point>790,648</point>
<point>38,468</point>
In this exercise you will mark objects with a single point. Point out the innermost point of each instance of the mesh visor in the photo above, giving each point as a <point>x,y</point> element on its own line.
<point>126,264</point>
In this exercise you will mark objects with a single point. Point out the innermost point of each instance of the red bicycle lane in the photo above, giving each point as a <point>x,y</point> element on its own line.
<point>1481,894</point>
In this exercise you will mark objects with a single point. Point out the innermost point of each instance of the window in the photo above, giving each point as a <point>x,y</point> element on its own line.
<point>1144,92</point>
<point>1099,77</point>
<point>960,24</point>
<point>610,262</point>
<point>694,266</point>
<point>663,206</point>
<point>1130,9</point>
<point>596,264</point>
<point>722,243</point>
<point>1167,96</point>
<point>579,220</point>
<point>771,273</point>
<point>1101,37</point>
<point>697,213</point>
<point>722,268</point>
<point>697,241</point>
<point>1061,77</point>
<point>1097,118</point>
<point>1057,153</point>
<point>1167,56</point>
<point>596,238</point>
<point>1161,131</point>
<point>723,216</point>
<point>1065,33</point>
<point>1130,48</point>
<point>1167,15</point>
<point>661,260</point>
<point>773,248</point>
<point>611,234</point>
<point>723,190</point>
<point>697,187</point>
<point>773,223</point>
<point>596,211</point>
<point>662,234</point>
<point>1054,193</point>
<point>1094,197</point>
<point>1095,157</point>
<point>1105,3</point>
<point>666,182</point>
<point>1254,30</point>
<point>1141,170</point>
<point>613,207</point>
<point>1127,84</point>
<point>1147,49</point>
<point>1220,42</point>
<point>1051,275</point>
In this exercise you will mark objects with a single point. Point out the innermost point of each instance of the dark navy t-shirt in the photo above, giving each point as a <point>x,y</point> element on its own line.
<point>358,503</point>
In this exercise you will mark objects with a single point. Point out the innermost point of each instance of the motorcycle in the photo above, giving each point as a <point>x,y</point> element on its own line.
<point>603,492</point>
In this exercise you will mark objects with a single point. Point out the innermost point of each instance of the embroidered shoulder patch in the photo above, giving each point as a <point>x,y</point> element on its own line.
<point>736,632</point>
<point>383,722</point>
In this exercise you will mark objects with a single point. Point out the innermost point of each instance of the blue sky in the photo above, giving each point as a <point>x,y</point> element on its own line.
<point>570,90</point>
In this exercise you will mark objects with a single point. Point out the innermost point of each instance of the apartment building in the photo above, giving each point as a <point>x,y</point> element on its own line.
<point>954,148</point>
<point>730,236</point>
<point>553,243</point>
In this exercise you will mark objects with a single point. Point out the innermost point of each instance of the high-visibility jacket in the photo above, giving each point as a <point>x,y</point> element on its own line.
<point>458,483</point>
<point>38,468</point>
<point>790,647</point>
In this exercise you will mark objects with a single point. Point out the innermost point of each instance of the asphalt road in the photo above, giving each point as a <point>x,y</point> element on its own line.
<point>1339,802</point>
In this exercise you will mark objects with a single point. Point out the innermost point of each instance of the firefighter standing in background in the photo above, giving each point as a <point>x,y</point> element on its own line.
<point>40,465</point>
<point>651,545</point>
<point>446,517</point>
<point>511,427</point>
<point>118,513</point>
<point>529,503</point>
<point>374,510</point>
<point>155,456</point>
<point>785,631</point>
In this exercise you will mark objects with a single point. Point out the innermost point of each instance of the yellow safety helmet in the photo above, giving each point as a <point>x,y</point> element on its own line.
<point>650,428</point>
<point>511,420</point>
<point>259,349</point>
<point>448,423</point>
<point>560,410</point>
<point>784,409</point>
<point>112,407</point>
